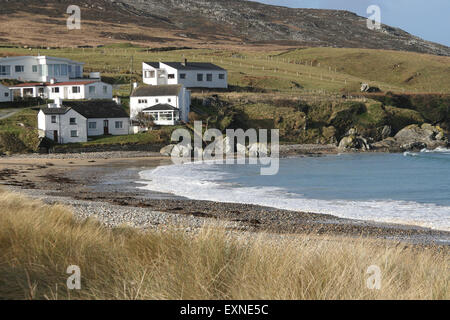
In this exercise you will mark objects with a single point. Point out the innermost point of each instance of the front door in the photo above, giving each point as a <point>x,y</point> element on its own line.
<point>105,127</point>
<point>55,136</point>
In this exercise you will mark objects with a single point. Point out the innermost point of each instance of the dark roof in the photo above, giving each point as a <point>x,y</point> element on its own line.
<point>157,91</point>
<point>161,107</point>
<point>55,110</point>
<point>153,64</point>
<point>189,66</point>
<point>97,109</point>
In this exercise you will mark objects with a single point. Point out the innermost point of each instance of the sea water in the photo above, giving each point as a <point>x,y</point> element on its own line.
<point>411,188</point>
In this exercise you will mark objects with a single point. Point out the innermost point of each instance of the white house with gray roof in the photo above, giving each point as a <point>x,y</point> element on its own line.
<point>167,104</point>
<point>75,121</point>
<point>189,74</point>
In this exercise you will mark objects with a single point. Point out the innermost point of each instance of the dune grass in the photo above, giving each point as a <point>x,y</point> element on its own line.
<point>38,242</point>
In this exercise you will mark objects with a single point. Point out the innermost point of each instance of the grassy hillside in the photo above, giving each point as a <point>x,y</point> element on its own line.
<point>39,242</point>
<point>292,72</point>
<point>411,71</point>
<point>321,121</point>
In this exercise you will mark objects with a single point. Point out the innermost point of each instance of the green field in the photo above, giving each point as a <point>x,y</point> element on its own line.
<point>320,70</point>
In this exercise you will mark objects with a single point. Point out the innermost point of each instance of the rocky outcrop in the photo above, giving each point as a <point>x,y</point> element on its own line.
<point>167,150</point>
<point>414,137</point>
<point>354,141</point>
<point>253,21</point>
<point>258,150</point>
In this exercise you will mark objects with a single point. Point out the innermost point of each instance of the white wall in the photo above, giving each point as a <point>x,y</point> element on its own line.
<point>190,80</point>
<point>5,94</point>
<point>99,127</point>
<point>66,92</point>
<point>136,107</point>
<point>42,63</point>
<point>63,126</point>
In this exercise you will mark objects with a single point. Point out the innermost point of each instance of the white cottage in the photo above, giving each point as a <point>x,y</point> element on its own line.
<point>5,94</point>
<point>189,74</point>
<point>40,68</point>
<point>167,104</point>
<point>70,90</point>
<point>75,121</point>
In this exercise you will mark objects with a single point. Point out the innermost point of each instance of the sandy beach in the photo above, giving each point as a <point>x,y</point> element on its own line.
<point>103,185</point>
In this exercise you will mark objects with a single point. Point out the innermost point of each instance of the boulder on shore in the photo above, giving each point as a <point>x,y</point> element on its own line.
<point>354,141</point>
<point>167,150</point>
<point>426,136</point>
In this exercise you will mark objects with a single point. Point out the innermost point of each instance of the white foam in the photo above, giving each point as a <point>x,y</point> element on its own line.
<point>197,181</point>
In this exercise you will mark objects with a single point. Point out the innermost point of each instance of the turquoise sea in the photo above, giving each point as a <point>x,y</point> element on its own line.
<point>410,188</point>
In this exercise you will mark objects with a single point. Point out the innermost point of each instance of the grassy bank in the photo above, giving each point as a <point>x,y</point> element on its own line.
<point>324,71</point>
<point>38,242</point>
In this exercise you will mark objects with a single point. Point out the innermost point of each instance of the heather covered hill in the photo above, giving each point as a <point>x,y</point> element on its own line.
<point>197,22</point>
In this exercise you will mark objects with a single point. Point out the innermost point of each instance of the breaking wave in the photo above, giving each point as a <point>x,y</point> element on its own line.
<point>216,183</point>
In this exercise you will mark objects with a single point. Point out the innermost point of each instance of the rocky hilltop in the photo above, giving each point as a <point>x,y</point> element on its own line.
<point>198,21</point>
<point>254,21</point>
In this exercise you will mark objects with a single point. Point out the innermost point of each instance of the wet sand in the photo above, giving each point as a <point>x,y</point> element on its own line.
<point>110,180</point>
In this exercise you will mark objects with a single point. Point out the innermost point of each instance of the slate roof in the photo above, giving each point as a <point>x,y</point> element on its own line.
<point>200,66</point>
<point>97,109</point>
<point>161,107</point>
<point>157,91</point>
<point>153,64</point>
<point>54,111</point>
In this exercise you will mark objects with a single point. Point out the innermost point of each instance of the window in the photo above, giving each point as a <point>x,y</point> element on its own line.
<point>73,121</point>
<point>149,74</point>
<point>35,68</point>
<point>91,89</point>
<point>53,119</point>
<point>182,75</point>
<point>209,77</point>
<point>76,90</point>
<point>77,71</point>
<point>64,70</point>
<point>199,77</point>
<point>171,76</point>
<point>5,70</point>
<point>141,101</point>
<point>221,76</point>
<point>6,94</point>
<point>74,133</point>
<point>156,100</point>
<point>92,125</point>
<point>57,70</point>
<point>169,100</point>
<point>55,90</point>
<point>20,68</point>
<point>119,124</point>
<point>105,89</point>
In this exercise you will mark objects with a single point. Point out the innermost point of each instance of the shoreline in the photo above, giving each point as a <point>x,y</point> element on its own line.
<point>103,185</point>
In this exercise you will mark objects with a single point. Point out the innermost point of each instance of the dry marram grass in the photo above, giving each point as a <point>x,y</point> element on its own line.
<point>38,242</point>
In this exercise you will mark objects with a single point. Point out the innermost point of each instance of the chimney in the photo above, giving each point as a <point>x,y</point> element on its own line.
<point>135,85</point>
<point>52,81</point>
<point>57,102</point>
<point>184,63</point>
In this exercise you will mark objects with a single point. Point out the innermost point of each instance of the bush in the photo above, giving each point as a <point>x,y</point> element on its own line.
<point>11,143</point>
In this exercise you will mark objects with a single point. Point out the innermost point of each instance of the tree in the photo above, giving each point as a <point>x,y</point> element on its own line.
<point>145,120</point>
